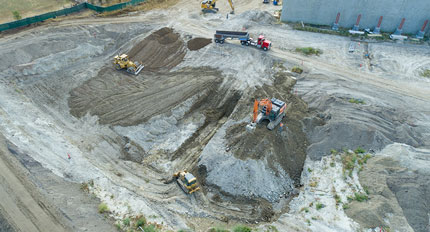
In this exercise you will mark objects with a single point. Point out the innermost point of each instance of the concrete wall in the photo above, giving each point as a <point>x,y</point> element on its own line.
<point>323,12</point>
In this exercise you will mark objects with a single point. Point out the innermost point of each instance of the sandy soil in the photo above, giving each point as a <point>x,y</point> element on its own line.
<point>188,108</point>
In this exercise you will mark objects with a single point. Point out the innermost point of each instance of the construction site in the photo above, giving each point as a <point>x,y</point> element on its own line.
<point>204,117</point>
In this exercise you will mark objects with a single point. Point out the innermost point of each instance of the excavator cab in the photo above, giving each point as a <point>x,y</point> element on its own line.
<point>272,110</point>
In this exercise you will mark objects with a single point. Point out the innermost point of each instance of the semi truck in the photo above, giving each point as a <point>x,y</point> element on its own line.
<point>244,37</point>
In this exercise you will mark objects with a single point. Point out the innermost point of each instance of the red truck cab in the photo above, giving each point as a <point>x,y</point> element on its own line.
<point>263,43</point>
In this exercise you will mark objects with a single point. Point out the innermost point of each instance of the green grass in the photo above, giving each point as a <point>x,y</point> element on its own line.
<point>118,226</point>
<point>150,228</point>
<point>333,151</point>
<point>359,150</point>
<point>297,69</point>
<point>126,221</point>
<point>356,101</point>
<point>425,73</point>
<point>28,8</point>
<point>345,206</point>
<point>309,170</point>
<point>217,229</point>
<point>103,208</point>
<point>140,222</point>
<point>366,189</point>
<point>241,228</point>
<point>338,200</point>
<point>319,206</point>
<point>309,51</point>
<point>360,197</point>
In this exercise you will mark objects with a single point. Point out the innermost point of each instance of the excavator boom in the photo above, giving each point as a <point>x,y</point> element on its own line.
<point>231,5</point>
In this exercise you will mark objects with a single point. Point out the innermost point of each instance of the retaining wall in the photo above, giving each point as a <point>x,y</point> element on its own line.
<point>323,12</point>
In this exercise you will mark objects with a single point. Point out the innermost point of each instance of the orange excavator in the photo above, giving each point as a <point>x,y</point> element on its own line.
<point>272,110</point>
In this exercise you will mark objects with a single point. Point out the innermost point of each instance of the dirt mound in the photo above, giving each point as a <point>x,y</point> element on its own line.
<point>118,98</point>
<point>163,49</point>
<point>288,148</point>
<point>197,43</point>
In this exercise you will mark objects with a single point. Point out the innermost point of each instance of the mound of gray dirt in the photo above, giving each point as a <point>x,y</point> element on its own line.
<point>261,164</point>
<point>197,43</point>
<point>162,50</point>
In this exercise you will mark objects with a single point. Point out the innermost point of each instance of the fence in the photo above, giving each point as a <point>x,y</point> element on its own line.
<point>54,14</point>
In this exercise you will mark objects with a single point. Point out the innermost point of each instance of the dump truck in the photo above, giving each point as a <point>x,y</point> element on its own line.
<point>123,62</point>
<point>244,37</point>
<point>186,181</point>
<point>272,110</point>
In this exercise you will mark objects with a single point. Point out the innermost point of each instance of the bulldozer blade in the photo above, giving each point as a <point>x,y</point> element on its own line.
<point>139,69</point>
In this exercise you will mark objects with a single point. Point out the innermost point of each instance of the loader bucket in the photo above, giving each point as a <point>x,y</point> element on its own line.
<point>139,68</point>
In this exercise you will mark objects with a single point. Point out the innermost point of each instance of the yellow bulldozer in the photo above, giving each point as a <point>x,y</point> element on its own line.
<point>209,6</point>
<point>186,181</point>
<point>123,62</point>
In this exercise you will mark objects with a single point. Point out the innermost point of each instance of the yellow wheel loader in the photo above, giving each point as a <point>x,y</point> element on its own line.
<point>123,62</point>
<point>186,181</point>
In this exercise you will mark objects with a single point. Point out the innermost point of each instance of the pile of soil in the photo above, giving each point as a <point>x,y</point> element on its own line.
<point>286,148</point>
<point>118,98</point>
<point>197,43</point>
<point>162,50</point>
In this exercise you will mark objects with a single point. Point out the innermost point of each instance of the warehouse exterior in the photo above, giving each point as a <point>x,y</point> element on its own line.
<point>324,12</point>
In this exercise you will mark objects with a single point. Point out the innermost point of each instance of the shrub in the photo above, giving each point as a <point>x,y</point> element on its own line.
<point>16,15</point>
<point>118,226</point>
<point>103,208</point>
<point>309,170</point>
<point>309,51</point>
<point>359,150</point>
<point>141,221</point>
<point>319,206</point>
<point>297,69</point>
<point>361,197</point>
<point>313,184</point>
<point>242,229</point>
<point>356,101</point>
<point>333,151</point>
<point>84,187</point>
<point>366,157</point>
<point>150,228</point>
<point>338,200</point>
<point>345,206</point>
<point>366,189</point>
<point>216,229</point>
<point>425,73</point>
<point>332,164</point>
<point>126,221</point>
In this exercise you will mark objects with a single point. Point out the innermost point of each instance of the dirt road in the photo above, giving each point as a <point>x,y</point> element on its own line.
<point>21,204</point>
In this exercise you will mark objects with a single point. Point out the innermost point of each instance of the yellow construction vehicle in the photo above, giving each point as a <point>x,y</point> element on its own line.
<point>209,6</point>
<point>186,181</point>
<point>123,62</point>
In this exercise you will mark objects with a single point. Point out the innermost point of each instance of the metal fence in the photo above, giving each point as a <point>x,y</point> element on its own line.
<point>54,14</point>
